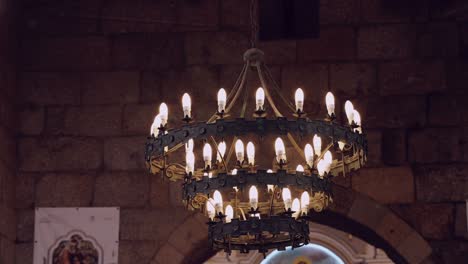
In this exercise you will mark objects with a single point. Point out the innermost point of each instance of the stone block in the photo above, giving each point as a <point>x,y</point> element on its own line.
<point>31,120</point>
<point>110,87</point>
<point>439,183</point>
<point>25,190</point>
<point>124,153</point>
<point>457,77</point>
<point>25,226</point>
<point>235,14</point>
<point>175,194</point>
<point>7,184</point>
<point>279,52</point>
<point>360,212</point>
<point>448,110</point>
<point>8,112</point>
<point>343,199</point>
<point>437,40</point>
<point>386,42</point>
<point>121,189</point>
<point>169,252</point>
<point>386,185</point>
<point>65,53</point>
<point>138,118</point>
<point>374,141</point>
<point>199,15</point>
<point>7,222</point>
<point>50,88</point>
<point>332,44</point>
<point>151,90</point>
<point>24,253</point>
<point>392,111</point>
<point>93,121</point>
<point>8,149</point>
<point>393,229</point>
<point>7,250</point>
<point>435,145</point>
<point>59,153</point>
<point>414,248</point>
<point>412,77</point>
<point>215,48</point>
<point>159,192</point>
<point>464,41</point>
<point>131,252</point>
<point>461,227</point>
<point>65,190</point>
<point>394,144</point>
<point>187,235</point>
<point>353,80</point>
<point>381,11</point>
<point>148,51</point>
<point>451,251</point>
<point>339,12</point>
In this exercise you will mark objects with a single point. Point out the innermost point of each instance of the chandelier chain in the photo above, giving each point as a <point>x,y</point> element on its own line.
<point>253,23</point>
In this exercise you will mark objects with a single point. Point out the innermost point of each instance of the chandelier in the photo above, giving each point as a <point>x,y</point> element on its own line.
<point>257,196</point>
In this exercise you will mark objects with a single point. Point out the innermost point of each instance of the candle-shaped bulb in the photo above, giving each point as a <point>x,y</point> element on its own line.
<point>309,155</point>
<point>210,209</point>
<point>229,213</point>
<point>221,151</point>
<point>305,201</point>
<point>280,150</point>
<point>299,168</point>
<point>253,197</point>
<point>221,100</point>
<point>349,109</point>
<point>234,172</point>
<point>286,193</point>
<point>251,153</point>
<point>164,113</point>
<point>270,187</point>
<point>341,145</point>
<point>189,146</point>
<point>190,162</point>
<point>240,151</point>
<point>317,141</point>
<point>156,125</point>
<point>260,98</point>
<point>269,171</point>
<point>330,102</point>
<point>207,155</point>
<point>328,161</point>
<point>296,207</point>
<point>321,166</point>
<point>218,201</point>
<point>299,98</point>
<point>187,105</point>
<point>357,120</point>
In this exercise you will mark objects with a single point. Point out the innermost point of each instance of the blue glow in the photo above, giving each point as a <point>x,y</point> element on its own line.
<point>308,254</point>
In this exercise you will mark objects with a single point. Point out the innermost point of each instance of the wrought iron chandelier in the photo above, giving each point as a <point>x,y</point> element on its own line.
<point>256,202</point>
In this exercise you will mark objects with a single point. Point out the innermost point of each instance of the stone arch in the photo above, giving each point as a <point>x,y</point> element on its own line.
<point>351,212</point>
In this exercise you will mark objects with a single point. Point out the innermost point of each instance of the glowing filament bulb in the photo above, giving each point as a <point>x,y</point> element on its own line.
<point>240,151</point>
<point>207,155</point>
<point>286,194</point>
<point>253,197</point>
<point>317,141</point>
<point>190,162</point>
<point>229,213</point>
<point>189,146</point>
<point>210,210</point>
<point>234,172</point>
<point>280,150</point>
<point>309,155</point>
<point>341,145</point>
<point>218,201</point>
<point>296,207</point>
<point>330,102</point>
<point>260,98</point>
<point>328,161</point>
<point>156,125</point>
<point>164,113</point>
<point>187,105</point>
<point>349,109</point>
<point>221,151</point>
<point>270,187</point>
<point>251,153</point>
<point>299,168</point>
<point>269,171</point>
<point>305,201</point>
<point>321,166</point>
<point>299,98</point>
<point>357,120</point>
<point>221,100</point>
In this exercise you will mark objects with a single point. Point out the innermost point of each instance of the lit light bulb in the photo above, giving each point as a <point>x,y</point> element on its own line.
<point>269,171</point>
<point>299,98</point>
<point>341,145</point>
<point>305,201</point>
<point>321,168</point>
<point>210,210</point>
<point>156,125</point>
<point>221,151</point>
<point>207,155</point>
<point>270,187</point>
<point>253,197</point>
<point>235,188</point>
<point>349,109</point>
<point>317,141</point>
<point>164,113</point>
<point>221,100</point>
<point>187,105</point>
<point>208,174</point>
<point>260,98</point>
<point>240,151</point>
<point>309,155</point>
<point>190,162</point>
<point>251,153</point>
<point>357,120</point>
<point>296,207</point>
<point>280,151</point>
<point>229,213</point>
<point>189,146</point>
<point>328,161</point>
<point>299,168</point>
<point>218,201</point>
<point>286,193</point>
<point>330,102</point>
<point>234,172</point>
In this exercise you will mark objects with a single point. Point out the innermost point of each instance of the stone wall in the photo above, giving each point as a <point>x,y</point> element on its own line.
<point>7,131</point>
<point>93,72</point>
